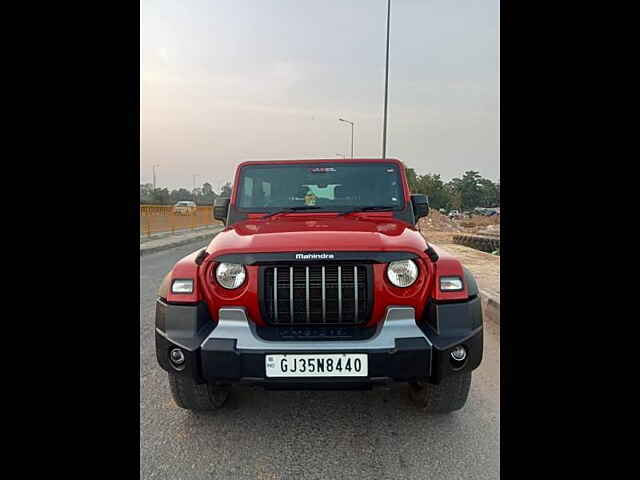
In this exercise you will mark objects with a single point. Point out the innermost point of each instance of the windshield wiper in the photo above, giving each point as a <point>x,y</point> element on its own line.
<point>292,209</point>
<point>367,209</point>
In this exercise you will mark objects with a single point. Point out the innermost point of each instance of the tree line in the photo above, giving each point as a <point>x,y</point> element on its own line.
<point>464,194</point>
<point>162,196</point>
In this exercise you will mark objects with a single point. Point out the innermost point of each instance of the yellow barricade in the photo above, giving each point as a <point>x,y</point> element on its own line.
<point>164,218</point>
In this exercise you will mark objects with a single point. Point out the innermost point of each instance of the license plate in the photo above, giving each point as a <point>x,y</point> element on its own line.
<point>317,365</point>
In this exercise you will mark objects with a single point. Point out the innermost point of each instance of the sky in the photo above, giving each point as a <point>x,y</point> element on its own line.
<point>231,80</point>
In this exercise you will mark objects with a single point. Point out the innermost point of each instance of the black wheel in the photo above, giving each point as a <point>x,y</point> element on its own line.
<point>448,396</point>
<point>192,396</point>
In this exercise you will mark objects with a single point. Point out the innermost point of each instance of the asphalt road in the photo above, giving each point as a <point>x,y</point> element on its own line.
<point>376,434</point>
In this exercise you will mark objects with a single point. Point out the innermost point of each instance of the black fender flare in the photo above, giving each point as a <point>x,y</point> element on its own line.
<point>470,282</point>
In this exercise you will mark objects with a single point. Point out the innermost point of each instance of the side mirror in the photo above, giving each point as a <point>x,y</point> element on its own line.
<point>221,209</point>
<point>420,206</point>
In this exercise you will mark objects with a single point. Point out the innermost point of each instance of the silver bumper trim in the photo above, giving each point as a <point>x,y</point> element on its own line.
<point>233,323</point>
<point>175,342</point>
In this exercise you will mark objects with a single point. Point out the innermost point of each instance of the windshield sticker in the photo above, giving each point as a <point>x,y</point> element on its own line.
<point>322,169</point>
<point>390,170</point>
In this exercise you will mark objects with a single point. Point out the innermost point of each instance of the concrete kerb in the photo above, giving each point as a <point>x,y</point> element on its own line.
<point>484,243</point>
<point>147,248</point>
<point>490,306</point>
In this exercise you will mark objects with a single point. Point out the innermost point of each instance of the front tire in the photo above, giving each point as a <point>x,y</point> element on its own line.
<point>448,396</point>
<point>193,396</point>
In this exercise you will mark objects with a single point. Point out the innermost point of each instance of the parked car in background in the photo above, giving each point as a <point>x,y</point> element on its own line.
<point>185,208</point>
<point>487,212</point>
<point>454,214</point>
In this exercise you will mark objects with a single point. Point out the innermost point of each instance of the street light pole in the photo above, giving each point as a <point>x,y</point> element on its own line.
<point>351,140</point>
<point>386,87</point>
<point>194,182</point>
<point>154,177</point>
<point>347,121</point>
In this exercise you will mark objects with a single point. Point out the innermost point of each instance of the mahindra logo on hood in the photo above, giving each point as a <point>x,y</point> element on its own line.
<point>314,256</point>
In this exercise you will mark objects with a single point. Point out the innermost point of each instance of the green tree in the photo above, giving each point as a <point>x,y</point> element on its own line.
<point>467,190</point>
<point>146,192</point>
<point>225,191</point>
<point>202,196</point>
<point>433,186</point>
<point>161,197</point>
<point>412,179</point>
<point>464,193</point>
<point>471,190</point>
<point>488,193</point>
<point>206,195</point>
<point>181,194</point>
<point>454,192</point>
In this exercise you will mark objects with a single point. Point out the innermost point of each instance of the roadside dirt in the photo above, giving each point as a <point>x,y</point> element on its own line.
<point>484,266</point>
<point>439,229</point>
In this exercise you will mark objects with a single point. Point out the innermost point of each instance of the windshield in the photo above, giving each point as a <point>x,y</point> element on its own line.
<point>332,187</point>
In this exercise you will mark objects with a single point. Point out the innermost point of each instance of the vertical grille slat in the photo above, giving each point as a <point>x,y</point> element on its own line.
<point>275,293</point>
<point>291,293</point>
<point>324,298</point>
<point>307,293</point>
<point>339,293</point>
<point>318,294</point>
<point>355,290</point>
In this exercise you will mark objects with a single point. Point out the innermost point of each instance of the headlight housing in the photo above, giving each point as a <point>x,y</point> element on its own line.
<point>182,285</point>
<point>402,273</point>
<point>230,275</point>
<point>450,284</point>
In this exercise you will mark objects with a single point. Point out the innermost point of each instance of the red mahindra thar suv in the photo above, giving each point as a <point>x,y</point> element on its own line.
<point>319,280</point>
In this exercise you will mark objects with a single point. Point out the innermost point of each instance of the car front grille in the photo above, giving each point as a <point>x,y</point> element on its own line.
<point>325,294</point>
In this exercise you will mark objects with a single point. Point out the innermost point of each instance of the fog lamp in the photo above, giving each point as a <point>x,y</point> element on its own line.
<point>176,356</point>
<point>459,353</point>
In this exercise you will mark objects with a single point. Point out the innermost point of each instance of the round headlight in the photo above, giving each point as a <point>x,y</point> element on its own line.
<point>402,273</point>
<point>230,275</point>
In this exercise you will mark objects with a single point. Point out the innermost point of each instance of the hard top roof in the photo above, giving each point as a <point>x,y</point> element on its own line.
<point>321,160</point>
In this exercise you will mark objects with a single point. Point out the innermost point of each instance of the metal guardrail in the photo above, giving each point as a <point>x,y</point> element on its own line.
<point>165,218</point>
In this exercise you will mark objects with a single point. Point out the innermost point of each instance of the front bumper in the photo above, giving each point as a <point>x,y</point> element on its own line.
<point>400,349</point>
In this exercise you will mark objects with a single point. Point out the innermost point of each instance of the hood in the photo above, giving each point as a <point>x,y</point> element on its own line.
<point>318,233</point>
